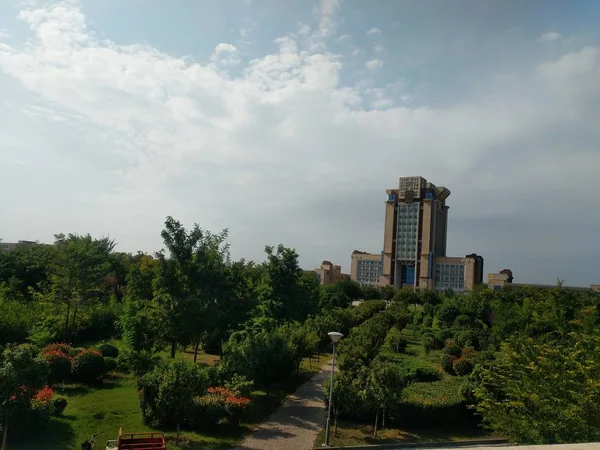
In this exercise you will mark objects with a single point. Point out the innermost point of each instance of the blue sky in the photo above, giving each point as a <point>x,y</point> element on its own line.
<point>286,121</point>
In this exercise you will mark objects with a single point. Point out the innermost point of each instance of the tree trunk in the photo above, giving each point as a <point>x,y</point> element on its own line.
<point>66,337</point>
<point>196,351</point>
<point>383,419</point>
<point>376,420</point>
<point>177,433</point>
<point>317,355</point>
<point>335,423</point>
<point>173,348</point>
<point>310,362</point>
<point>73,324</point>
<point>5,431</point>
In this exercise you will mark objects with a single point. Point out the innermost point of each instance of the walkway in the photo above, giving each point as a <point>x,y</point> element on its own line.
<point>296,423</point>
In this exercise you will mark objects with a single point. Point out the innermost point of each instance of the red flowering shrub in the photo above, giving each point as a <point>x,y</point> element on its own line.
<point>60,365</point>
<point>58,347</point>
<point>220,403</point>
<point>88,366</point>
<point>44,395</point>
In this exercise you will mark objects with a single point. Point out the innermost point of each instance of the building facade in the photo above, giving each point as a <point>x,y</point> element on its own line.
<point>330,273</point>
<point>504,280</point>
<point>415,232</point>
<point>458,274</point>
<point>366,268</point>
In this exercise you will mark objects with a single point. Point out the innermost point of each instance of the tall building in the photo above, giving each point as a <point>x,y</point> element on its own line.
<point>365,268</point>
<point>414,242</point>
<point>330,273</point>
<point>415,232</point>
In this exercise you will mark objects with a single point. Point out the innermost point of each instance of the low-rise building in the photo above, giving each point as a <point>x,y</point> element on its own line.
<point>7,246</point>
<point>366,268</point>
<point>330,273</point>
<point>458,274</point>
<point>504,279</point>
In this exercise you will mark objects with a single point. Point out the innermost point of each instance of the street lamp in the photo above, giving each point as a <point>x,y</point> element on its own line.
<point>335,338</point>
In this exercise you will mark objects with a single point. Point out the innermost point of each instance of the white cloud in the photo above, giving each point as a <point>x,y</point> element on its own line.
<point>225,54</point>
<point>374,65</point>
<point>271,149</point>
<point>373,31</point>
<point>4,34</point>
<point>343,38</point>
<point>550,36</point>
<point>379,48</point>
<point>326,10</point>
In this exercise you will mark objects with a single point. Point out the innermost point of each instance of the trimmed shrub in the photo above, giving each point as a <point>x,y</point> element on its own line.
<point>61,365</point>
<point>448,364</point>
<point>452,349</point>
<point>59,404</point>
<point>463,321</point>
<point>108,350</point>
<point>219,403</point>
<point>423,374</point>
<point>58,347</point>
<point>398,343</point>
<point>427,321</point>
<point>441,336</point>
<point>466,338</point>
<point>462,367</point>
<point>110,364</point>
<point>88,366</point>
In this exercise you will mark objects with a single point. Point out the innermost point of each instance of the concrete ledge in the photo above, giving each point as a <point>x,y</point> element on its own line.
<point>442,444</point>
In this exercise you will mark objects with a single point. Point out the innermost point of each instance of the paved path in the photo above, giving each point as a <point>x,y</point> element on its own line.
<point>296,423</point>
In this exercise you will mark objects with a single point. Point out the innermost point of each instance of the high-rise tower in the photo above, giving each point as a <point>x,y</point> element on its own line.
<point>416,224</point>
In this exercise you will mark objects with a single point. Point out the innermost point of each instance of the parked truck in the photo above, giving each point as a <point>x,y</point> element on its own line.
<point>137,441</point>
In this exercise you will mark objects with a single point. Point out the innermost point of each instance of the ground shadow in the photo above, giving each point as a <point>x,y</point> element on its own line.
<point>58,436</point>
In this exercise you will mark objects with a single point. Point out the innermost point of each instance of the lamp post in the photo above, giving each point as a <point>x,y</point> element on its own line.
<point>335,338</point>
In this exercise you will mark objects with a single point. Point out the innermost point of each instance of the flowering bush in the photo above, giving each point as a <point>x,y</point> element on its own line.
<point>88,366</point>
<point>220,403</point>
<point>44,395</point>
<point>58,347</point>
<point>60,365</point>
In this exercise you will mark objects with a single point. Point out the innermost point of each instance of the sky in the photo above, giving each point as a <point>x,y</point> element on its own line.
<point>286,121</point>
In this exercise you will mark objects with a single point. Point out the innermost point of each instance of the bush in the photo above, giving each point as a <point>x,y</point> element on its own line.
<point>441,336</point>
<point>59,404</point>
<point>110,364</point>
<point>423,374</point>
<point>466,338</point>
<point>58,347</point>
<point>240,385</point>
<point>61,365</point>
<point>463,321</point>
<point>89,366</point>
<point>220,403</point>
<point>398,343</point>
<point>108,350</point>
<point>462,367</point>
<point>452,349</point>
<point>139,363</point>
<point>448,364</point>
<point>427,321</point>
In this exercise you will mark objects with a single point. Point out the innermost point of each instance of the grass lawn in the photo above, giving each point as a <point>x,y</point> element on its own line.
<point>103,409</point>
<point>351,433</point>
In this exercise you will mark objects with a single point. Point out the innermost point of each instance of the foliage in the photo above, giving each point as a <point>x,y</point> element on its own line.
<point>423,375</point>
<point>88,366</point>
<point>60,364</point>
<point>167,392</point>
<point>108,350</point>
<point>447,362</point>
<point>462,366</point>
<point>240,385</point>
<point>220,403</point>
<point>59,405</point>
<point>452,349</point>
<point>398,343</point>
<point>544,391</point>
<point>139,363</point>
<point>110,364</point>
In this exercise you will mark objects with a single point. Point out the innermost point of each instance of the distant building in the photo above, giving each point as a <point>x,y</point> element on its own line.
<point>6,246</point>
<point>415,237</point>
<point>504,279</point>
<point>366,268</point>
<point>330,273</point>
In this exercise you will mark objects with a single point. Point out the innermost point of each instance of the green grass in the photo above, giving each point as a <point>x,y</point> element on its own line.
<point>103,409</point>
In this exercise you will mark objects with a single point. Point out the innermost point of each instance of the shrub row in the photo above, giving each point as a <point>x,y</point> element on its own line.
<point>85,365</point>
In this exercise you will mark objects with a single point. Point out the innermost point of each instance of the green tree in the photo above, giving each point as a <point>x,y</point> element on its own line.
<point>543,390</point>
<point>346,395</point>
<point>167,393</point>
<point>22,374</point>
<point>383,389</point>
<point>78,272</point>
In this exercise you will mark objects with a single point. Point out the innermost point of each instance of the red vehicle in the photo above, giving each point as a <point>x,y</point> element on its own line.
<point>137,441</point>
